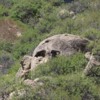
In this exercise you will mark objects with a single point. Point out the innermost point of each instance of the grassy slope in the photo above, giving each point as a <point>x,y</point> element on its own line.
<point>40,19</point>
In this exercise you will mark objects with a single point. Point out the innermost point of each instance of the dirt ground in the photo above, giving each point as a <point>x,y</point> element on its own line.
<point>9,30</point>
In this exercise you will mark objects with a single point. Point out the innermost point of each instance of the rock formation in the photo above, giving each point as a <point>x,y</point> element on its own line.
<point>63,44</point>
<point>91,63</point>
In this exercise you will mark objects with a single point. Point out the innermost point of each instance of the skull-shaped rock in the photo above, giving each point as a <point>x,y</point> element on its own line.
<point>63,44</point>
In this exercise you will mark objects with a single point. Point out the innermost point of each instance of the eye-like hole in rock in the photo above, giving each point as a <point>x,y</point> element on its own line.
<point>55,53</point>
<point>41,53</point>
<point>47,41</point>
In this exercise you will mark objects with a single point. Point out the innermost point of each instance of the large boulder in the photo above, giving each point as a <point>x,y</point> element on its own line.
<point>62,44</point>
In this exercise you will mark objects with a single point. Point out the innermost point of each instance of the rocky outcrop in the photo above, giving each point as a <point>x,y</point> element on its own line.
<point>92,62</point>
<point>19,93</point>
<point>63,44</point>
<point>33,83</point>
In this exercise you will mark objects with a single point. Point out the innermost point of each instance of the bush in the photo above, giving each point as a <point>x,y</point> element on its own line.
<point>78,6</point>
<point>55,2</point>
<point>71,87</point>
<point>25,11</point>
<point>6,61</point>
<point>61,66</point>
<point>92,34</point>
<point>6,3</point>
<point>3,11</point>
<point>61,76</point>
<point>6,46</point>
<point>44,27</point>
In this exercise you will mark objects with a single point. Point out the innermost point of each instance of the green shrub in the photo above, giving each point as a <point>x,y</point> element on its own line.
<point>3,11</point>
<point>61,66</point>
<point>6,3</point>
<point>79,6</point>
<point>70,87</point>
<point>26,11</point>
<point>61,76</point>
<point>92,34</point>
<point>6,61</point>
<point>6,46</point>
<point>55,2</point>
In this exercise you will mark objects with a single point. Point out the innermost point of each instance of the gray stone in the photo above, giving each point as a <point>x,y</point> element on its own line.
<point>62,44</point>
<point>91,63</point>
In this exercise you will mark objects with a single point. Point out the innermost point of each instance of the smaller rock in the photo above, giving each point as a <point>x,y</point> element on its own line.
<point>25,62</point>
<point>29,82</point>
<point>11,95</point>
<point>25,67</point>
<point>36,80</point>
<point>33,83</point>
<point>18,34</point>
<point>91,64</point>
<point>71,13</point>
<point>87,55</point>
<point>64,13</point>
<point>19,93</point>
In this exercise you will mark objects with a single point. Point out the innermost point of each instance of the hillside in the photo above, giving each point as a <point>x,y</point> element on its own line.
<point>24,24</point>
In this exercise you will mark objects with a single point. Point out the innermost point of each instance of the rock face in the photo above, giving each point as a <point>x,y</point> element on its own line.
<point>33,83</point>
<point>19,93</point>
<point>92,62</point>
<point>63,44</point>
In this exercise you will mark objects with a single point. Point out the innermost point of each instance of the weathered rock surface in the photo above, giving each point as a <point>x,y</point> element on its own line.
<point>19,93</point>
<point>63,44</point>
<point>93,62</point>
<point>33,83</point>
